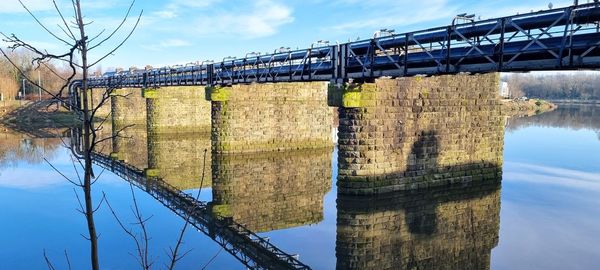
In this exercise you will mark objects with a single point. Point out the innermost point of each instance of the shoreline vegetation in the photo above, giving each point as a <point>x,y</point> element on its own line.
<point>530,107</point>
<point>35,116</point>
<point>574,101</point>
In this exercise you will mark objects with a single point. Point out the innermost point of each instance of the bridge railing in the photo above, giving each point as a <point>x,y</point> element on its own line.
<point>563,38</point>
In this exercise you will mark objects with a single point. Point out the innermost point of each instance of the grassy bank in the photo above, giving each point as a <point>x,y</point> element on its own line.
<point>29,116</point>
<point>512,107</point>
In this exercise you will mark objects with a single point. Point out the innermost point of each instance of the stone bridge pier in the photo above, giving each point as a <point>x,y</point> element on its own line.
<point>270,117</point>
<point>130,134</point>
<point>94,98</point>
<point>272,190</point>
<point>177,110</point>
<point>417,132</point>
<point>178,120</point>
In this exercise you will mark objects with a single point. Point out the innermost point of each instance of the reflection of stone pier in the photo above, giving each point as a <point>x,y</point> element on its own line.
<point>269,191</point>
<point>178,159</point>
<point>410,133</point>
<point>453,227</point>
<point>131,146</point>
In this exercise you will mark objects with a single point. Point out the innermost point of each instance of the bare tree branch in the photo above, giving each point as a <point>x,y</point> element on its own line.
<point>42,25</point>
<point>116,29</point>
<point>122,42</point>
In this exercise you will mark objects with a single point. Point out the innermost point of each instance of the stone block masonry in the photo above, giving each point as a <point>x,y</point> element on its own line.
<point>95,96</point>
<point>130,134</point>
<point>270,117</point>
<point>128,108</point>
<point>272,190</point>
<point>177,110</point>
<point>179,159</point>
<point>436,228</point>
<point>417,132</point>
<point>130,145</point>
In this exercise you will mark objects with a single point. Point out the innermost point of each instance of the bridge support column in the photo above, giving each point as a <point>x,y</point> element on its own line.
<point>270,117</point>
<point>177,110</point>
<point>411,133</point>
<point>129,121</point>
<point>288,189</point>
<point>178,125</point>
<point>95,97</point>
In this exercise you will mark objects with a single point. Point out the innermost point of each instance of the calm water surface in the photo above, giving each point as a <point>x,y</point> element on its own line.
<point>545,216</point>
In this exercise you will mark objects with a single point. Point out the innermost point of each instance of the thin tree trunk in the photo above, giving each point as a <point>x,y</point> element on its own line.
<point>87,129</point>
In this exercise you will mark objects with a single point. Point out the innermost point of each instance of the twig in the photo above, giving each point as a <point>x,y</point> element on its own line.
<point>48,262</point>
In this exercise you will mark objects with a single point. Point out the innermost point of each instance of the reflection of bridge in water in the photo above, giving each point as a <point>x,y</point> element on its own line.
<point>290,192</point>
<point>449,227</point>
<point>252,250</point>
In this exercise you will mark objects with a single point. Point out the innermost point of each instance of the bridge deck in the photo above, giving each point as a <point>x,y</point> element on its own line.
<point>558,39</point>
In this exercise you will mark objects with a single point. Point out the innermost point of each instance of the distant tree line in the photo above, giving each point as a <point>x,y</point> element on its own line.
<point>51,75</point>
<point>582,86</point>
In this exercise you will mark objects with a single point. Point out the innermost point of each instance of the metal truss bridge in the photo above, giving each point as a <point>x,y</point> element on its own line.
<point>557,39</point>
<point>253,251</point>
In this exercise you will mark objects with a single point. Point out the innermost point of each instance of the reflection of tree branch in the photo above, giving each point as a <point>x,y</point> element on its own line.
<point>48,262</point>
<point>141,244</point>
<point>68,261</point>
<point>63,175</point>
<point>174,253</point>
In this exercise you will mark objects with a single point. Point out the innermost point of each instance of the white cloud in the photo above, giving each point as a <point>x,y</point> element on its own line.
<point>263,18</point>
<point>392,13</point>
<point>522,172</point>
<point>30,179</point>
<point>171,43</point>
<point>168,44</point>
<point>165,14</point>
<point>175,7</point>
<point>13,6</point>
<point>85,5</point>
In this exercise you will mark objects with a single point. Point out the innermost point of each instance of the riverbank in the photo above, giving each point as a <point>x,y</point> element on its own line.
<point>513,107</point>
<point>575,101</point>
<point>30,116</point>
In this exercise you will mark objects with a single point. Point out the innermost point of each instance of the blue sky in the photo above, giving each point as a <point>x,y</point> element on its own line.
<point>182,31</point>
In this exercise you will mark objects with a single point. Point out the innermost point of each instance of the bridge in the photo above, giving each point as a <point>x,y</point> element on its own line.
<point>412,110</point>
<point>557,39</point>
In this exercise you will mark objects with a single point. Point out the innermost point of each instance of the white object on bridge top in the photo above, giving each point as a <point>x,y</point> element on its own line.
<point>504,90</point>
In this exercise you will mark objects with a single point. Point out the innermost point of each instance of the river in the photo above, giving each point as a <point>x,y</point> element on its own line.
<point>544,214</point>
